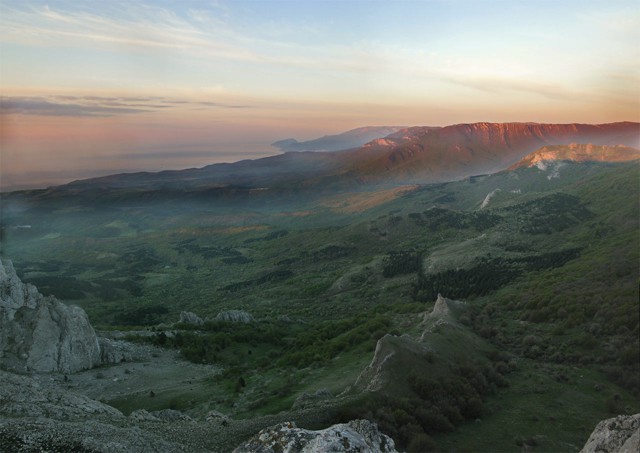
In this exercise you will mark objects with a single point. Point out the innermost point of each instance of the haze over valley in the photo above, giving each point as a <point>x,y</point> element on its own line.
<point>319,226</point>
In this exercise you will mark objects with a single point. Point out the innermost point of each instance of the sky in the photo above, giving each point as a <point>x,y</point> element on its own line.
<point>99,87</point>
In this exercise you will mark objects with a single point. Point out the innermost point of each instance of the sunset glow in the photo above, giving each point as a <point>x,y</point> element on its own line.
<point>91,88</point>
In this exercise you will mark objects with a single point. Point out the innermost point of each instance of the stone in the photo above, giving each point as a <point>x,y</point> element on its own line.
<point>171,415</point>
<point>445,307</point>
<point>41,334</point>
<point>117,351</point>
<point>353,437</point>
<point>216,417</point>
<point>142,415</point>
<point>239,316</point>
<point>23,396</point>
<point>187,317</point>
<point>619,434</point>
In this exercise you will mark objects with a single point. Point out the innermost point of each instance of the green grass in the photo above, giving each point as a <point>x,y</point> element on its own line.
<point>575,316</point>
<point>556,405</point>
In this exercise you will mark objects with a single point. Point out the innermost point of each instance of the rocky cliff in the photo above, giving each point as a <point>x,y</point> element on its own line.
<point>41,334</point>
<point>414,155</point>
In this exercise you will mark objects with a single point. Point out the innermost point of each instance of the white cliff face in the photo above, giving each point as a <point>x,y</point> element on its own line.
<point>355,436</point>
<point>41,334</point>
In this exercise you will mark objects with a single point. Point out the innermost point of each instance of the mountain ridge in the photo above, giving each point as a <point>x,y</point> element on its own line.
<point>415,155</point>
<point>461,150</point>
<point>335,142</point>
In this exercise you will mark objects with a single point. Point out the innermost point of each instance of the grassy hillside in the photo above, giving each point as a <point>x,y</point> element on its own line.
<point>547,264</point>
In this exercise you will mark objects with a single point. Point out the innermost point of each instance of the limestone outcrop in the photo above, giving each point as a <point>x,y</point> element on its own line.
<point>41,334</point>
<point>116,351</point>
<point>391,355</point>
<point>396,353</point>
<point>355,436</point>
<point>445,308</point>
<point>235,316</point>
<point>619,434</point>
<point>188,317</point>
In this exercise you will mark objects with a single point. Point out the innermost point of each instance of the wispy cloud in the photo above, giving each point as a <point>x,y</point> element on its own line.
<point>98,106</point>
<point>134,26</point>
<point>259,59</point>
<point>501,85</point>
<point>43,107</point>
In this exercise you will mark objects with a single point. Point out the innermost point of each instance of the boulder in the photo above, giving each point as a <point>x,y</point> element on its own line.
<point>41,334</point>
<point>240,316</point>
<point>171,415</point>
<point>117,351</point>
<point>187,317</point>
<point>216,417</point>
<point>142,415</point>
<point>353,437</point>
<point>619,434</point>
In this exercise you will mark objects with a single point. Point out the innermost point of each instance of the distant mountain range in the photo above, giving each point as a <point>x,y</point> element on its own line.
<point>346,140</point>
<point>415,155</point>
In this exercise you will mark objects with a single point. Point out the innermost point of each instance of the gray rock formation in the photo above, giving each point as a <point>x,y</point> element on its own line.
<point>187,317</point>
<point>116,351</point>
<point>418,352</point>
<point>41,334</point>
<point>235,316</point>
<point>619,434</point>
<point>216,417</point>
<point>143,415</point>
<point>390,358</point>
<point>445,311</point>
<point>171,415</point>
<point>354,437</point>
<point>445,307</point>
<point>23,396</point>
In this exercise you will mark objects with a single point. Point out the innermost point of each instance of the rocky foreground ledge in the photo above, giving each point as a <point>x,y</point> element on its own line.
<point>353,437</point>
<point>36,415</point>
<point>41,412</point>
<point>45,346</point>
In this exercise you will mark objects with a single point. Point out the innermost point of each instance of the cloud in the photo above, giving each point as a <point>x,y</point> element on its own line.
<point>495,84</point>
<point>184,153</point>
<point>98,106</point>
<point>43,107</point>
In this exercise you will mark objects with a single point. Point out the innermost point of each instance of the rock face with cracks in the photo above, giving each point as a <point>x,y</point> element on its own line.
<point>41,334</point>
<point>240,316</point>
<point>188,317</point>
<point>619,434</point>
<point>353,437</point>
